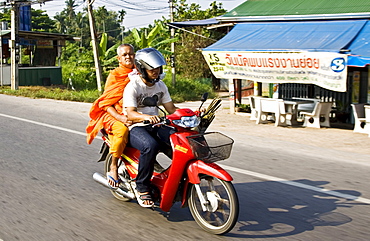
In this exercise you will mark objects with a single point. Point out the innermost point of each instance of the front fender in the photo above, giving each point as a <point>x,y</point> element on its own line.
<point>196,168</point>
<point>199,167</point>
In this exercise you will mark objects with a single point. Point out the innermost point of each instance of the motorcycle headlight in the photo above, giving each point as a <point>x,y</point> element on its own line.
<point>187,121</point>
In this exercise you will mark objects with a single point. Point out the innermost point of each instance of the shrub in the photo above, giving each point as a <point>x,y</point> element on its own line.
<point>187,89</point>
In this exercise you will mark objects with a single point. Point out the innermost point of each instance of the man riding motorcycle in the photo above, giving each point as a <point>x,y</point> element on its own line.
<point>144,137</point>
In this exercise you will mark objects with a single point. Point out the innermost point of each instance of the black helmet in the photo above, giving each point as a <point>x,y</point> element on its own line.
<point>149,58</point>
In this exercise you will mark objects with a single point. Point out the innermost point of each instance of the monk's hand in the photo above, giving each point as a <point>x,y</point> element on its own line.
<point>125,120</point>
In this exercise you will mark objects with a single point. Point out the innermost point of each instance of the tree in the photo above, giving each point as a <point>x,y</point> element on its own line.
<point>79,24</point>
<point>190,62</point>
<point>5,15</point>
<point>60,23</point>
<point>70,9</point>
<point>41,21</point>
<point>121,17</point>
<point>108,24</point>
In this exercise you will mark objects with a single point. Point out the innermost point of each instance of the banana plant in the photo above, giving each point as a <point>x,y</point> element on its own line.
<point>103,46</point>
<point>153,39</point>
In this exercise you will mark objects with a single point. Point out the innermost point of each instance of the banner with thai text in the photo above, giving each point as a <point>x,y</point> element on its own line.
<point>325,69</point>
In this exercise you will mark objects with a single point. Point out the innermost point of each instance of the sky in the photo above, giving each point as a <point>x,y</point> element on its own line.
<point>139,13</point>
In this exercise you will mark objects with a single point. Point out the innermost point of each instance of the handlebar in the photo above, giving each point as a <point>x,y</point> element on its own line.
<point>163,121</point>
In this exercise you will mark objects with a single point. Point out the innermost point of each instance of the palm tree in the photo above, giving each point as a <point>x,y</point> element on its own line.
<point>70,9</point>
<point>60,23</point>
<point>82,26</point>
<point>121,15</point>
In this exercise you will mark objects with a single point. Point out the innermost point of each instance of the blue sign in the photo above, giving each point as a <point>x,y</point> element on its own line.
<point>25,18</point>
<point>338,64</point>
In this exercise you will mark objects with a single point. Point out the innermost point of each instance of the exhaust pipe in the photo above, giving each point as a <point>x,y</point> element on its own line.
<point>102,180</point>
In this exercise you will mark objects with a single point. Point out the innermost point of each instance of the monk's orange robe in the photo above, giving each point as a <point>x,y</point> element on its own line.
<point>112,96</point>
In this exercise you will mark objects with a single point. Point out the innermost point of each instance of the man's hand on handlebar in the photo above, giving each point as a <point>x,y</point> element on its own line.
<point>202,110</point>
<point>152,119</point>
<point>199,111</point>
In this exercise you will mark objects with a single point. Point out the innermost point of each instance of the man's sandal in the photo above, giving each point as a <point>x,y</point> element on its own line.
<point>142,197</point>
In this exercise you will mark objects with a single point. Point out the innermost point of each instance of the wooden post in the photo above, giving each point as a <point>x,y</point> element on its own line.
<point>232,96</point>
<point>173,68</point>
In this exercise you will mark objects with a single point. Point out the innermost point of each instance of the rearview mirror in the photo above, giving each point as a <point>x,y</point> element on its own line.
<point>204,97</point>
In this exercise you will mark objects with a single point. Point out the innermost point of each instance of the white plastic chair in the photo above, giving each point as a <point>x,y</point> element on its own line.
<point>359,116</point>
<point>319,116</point>
<point>262,112</point>
<point>266,106</point>
<point>367,117</point>
<point>282,115</point>
<point>252,104</point>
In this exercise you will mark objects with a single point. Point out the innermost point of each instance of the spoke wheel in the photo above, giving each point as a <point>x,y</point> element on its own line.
<point>222,205</point>
<point>107,163</point>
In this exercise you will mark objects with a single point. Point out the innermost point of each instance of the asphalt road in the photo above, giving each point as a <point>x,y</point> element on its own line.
<point>292,183</point>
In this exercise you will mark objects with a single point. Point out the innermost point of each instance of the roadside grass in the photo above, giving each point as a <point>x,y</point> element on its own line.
<point>52,92</point>
<point>183,92</point>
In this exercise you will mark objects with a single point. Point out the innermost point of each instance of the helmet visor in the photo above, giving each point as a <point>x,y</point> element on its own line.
<point>150,60</point>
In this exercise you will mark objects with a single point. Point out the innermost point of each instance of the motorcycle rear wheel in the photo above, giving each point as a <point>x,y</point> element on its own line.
<point>107,163</point>
<point>222,205</point>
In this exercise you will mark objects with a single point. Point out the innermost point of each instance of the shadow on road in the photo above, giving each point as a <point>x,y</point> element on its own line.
<point>271,209</point>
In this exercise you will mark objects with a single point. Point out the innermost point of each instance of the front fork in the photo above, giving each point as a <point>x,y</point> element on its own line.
<point>203,201</point>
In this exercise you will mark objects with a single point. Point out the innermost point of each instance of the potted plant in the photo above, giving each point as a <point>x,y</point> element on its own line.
<point>341,113</point>
<point>243,108</point>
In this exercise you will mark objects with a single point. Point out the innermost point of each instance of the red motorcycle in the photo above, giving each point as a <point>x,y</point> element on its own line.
<point>192,177</point>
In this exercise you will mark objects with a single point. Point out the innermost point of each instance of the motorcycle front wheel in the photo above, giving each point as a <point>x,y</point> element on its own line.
<point>107,163</point>
<point>221,205</point>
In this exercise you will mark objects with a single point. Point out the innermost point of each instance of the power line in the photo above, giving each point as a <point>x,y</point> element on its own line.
<point>136,6</point>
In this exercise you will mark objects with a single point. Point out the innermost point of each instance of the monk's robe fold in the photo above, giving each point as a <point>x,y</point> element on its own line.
<point>112,96</point>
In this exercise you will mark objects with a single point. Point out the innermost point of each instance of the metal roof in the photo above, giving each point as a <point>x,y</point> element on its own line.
<point>351,37</point>
<point>31,35</point>
<point>267,10</point>
<point>291,36</point>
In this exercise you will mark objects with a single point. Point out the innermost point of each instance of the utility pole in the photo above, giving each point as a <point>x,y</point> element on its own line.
<point>14,38</point>
<point>98,70</point>
<point>14,46</point>
<point>173,70</point>
<point>1,55</point>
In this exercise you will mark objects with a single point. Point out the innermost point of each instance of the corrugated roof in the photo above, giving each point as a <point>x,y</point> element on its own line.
<point>319,36</point>
<point>298,7</point>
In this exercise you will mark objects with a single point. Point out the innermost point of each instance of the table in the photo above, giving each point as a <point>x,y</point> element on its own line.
<point>307,106</point>
<point>291,107</point>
